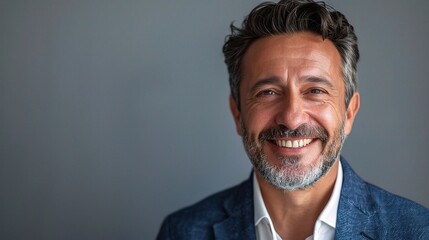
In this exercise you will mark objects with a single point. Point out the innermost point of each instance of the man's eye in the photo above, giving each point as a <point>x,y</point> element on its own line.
<point>266,93</point>
<point>316,91</point>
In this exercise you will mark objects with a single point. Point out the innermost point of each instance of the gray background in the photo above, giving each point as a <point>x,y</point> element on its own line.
<point>114,113</point>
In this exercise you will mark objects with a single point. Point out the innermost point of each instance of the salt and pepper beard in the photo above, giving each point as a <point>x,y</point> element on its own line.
<point>292,174</point>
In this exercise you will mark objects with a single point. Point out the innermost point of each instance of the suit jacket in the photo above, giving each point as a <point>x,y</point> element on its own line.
<point>364,212</point>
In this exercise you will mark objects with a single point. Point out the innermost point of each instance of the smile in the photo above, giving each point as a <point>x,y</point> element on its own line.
<point>293,143</point>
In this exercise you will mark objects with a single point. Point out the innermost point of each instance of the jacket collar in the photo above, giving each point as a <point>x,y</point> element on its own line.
<point>356,212</point>
<point>239,207</point>
<point>355,220</point>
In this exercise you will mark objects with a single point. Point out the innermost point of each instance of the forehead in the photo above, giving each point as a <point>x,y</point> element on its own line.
<point>291,55</point>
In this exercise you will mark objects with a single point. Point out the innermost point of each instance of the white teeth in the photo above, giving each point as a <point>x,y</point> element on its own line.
<point>293,144</point>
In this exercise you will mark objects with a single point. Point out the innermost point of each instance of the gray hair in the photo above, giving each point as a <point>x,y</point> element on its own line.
<point>291,16</point>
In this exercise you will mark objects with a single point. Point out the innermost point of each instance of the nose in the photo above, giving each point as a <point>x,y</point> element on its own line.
<point>291,112</point>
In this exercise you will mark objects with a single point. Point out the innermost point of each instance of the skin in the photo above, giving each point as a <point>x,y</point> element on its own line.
<point>290,80</point>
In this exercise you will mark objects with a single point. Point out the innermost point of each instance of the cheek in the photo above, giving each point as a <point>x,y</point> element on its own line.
<point>256,120</point>
<point>328,115</point>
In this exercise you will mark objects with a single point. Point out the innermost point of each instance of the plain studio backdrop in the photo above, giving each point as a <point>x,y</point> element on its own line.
<point>115,113</point>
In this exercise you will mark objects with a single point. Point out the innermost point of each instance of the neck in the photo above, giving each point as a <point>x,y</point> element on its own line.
<point>294,213</point>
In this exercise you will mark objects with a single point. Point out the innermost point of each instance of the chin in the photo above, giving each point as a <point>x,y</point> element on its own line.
<point>292,173</point>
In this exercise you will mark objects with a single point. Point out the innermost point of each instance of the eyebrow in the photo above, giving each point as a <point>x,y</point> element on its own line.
<point>316,79</point>
<point>265,81</point>
<point>306,78</point>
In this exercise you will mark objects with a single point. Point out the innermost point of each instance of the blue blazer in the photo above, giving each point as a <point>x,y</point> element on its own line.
<point>364,212</point>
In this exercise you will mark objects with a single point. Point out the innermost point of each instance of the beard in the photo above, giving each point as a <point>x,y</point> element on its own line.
<point>292,174</point>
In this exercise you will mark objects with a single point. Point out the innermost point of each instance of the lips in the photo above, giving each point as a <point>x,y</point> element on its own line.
<point>297,143</point>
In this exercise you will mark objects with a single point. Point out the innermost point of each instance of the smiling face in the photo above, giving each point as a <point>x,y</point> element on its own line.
<point>292,115</point>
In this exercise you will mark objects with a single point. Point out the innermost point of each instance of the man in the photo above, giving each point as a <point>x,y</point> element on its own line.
<point>292,70</point>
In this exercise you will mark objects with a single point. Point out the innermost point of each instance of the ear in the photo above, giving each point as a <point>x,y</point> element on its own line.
<point>236,115</point>
<point>351,112</point>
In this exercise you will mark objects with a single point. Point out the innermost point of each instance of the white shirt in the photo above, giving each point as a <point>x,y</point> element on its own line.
<point>324,228</point>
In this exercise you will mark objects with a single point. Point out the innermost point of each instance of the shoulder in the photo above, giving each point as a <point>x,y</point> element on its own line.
<point>394,208</point>
<point>205,211</point>
<point>196,221</point>
<point>375,209</point>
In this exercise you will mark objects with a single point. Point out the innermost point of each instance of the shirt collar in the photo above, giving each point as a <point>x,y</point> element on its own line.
<point>260,209</point>
<point>329,212</point>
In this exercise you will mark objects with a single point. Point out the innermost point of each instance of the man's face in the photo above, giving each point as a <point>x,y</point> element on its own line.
<point>292,115</point>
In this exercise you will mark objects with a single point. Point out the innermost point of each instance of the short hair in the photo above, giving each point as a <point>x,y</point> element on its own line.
<point>292,16</point>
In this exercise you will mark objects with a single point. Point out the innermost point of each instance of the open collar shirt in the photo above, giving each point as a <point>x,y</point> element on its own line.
<point>325,225</point>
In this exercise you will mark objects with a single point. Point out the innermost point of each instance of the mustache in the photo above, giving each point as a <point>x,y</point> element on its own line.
<point>303,131</point>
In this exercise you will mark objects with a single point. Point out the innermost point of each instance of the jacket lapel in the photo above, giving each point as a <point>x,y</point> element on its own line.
<point>356,218</point>
<point>240,221</point>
